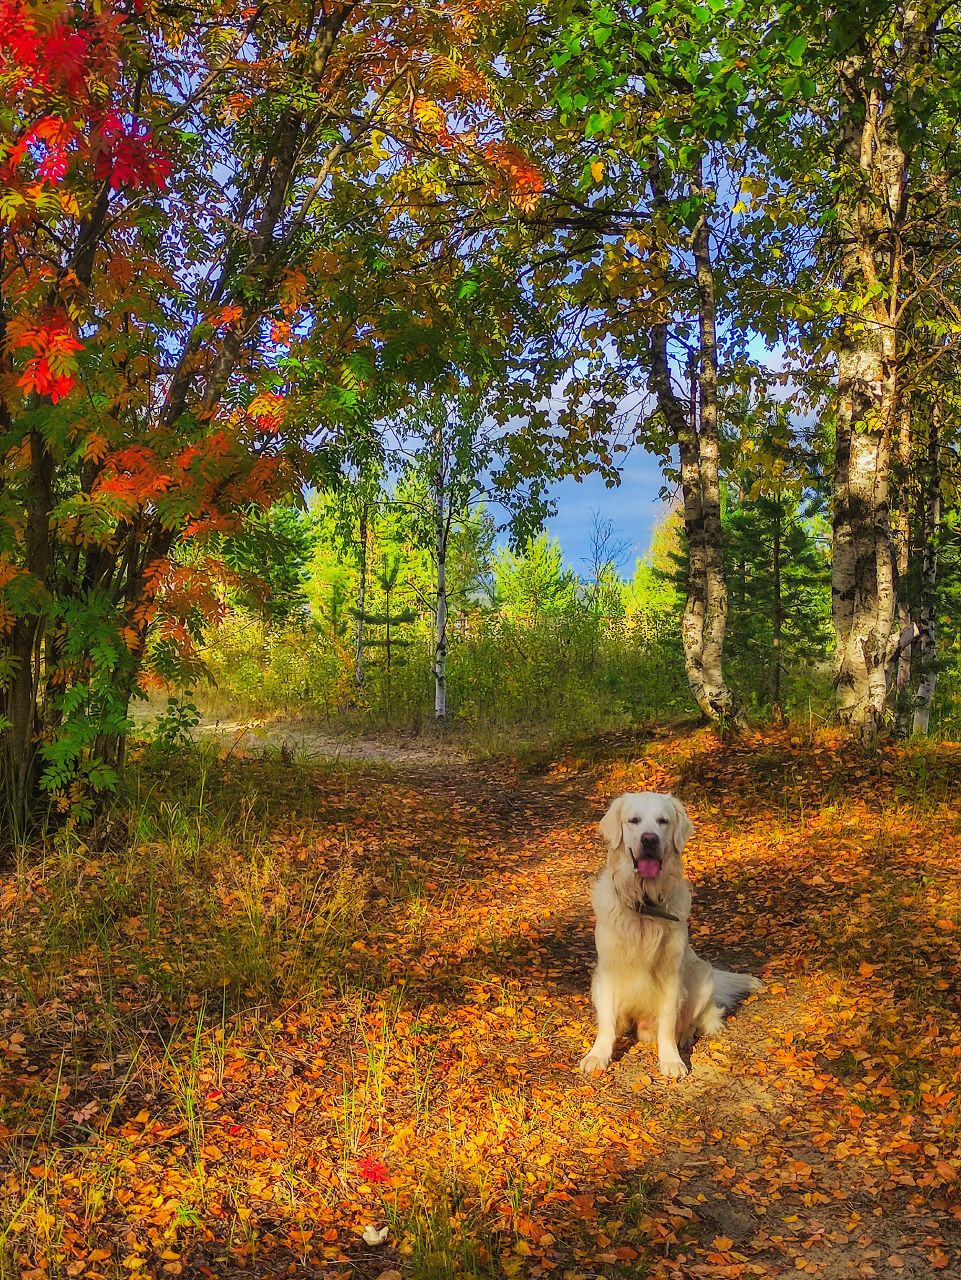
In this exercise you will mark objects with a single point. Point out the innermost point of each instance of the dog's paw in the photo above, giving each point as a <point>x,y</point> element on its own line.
<point>673,1068</point>
<point>591,1064</point>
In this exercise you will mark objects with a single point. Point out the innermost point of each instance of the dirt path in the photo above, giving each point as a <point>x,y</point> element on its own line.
<point>254,736</point>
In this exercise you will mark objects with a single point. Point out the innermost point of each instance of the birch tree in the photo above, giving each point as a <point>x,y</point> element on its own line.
<point>450,447</point>
<point>874,76</point>
<point>693,424</point>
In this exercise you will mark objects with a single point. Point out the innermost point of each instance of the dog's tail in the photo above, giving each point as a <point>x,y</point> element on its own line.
<point>731,988</point>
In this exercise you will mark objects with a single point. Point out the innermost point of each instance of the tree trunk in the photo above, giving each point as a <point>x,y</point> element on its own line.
<point>440,649</point>
<point>705,610</point>
<point>442,515</point>
<point>21,765</point>
<point>863,577</point>
<point>927,643</point>
<point>778,619</point>
<point>871,213</point>
<point>718,694</point>
<point>900,677</point>
<point>387,591</point>
<point>362,600</point>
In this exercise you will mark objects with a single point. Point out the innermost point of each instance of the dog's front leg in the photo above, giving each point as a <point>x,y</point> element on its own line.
<point>669,1058</point>
<point>605,1006</point>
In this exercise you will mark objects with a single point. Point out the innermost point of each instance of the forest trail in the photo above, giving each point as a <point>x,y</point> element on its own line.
<point>428,1082</point>
<point>254,735</point>
<point>304,739</point>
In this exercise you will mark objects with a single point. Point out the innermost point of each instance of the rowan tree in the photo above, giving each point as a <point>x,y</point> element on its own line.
<point>217,258</point>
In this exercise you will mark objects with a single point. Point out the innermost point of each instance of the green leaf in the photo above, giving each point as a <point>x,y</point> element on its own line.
<point>796,47</point>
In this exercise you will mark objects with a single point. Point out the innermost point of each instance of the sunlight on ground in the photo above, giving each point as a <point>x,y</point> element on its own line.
<point>320,998</point>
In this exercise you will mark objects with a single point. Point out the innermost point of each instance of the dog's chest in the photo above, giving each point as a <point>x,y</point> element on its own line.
<point>642,942</point>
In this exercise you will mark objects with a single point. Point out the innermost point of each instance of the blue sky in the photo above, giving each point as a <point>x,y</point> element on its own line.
<point>633,508</point>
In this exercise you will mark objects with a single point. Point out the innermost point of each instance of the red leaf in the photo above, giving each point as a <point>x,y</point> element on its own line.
<point>372,1170</point>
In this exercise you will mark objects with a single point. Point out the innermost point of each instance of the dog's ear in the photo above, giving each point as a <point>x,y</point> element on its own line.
<point>683,826</point>
<point>610,824</point>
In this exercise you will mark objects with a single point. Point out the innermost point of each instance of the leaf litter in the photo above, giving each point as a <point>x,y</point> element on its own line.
<point>355,1001</point>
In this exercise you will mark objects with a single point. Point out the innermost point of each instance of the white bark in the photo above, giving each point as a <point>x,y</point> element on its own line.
<point>901,677</point>
<point>362,603</point>
<point>863,582</point>
<point>440,619</point>
<point>704,620</point>
<point>715,583</point>
<point>870,217</point>
<point>442,522</point>
<point>927,644</point>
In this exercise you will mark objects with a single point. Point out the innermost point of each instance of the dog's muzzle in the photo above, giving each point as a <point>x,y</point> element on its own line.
<point>647,863</point>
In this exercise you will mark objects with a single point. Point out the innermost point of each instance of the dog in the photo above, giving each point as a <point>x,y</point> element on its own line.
<point>647,973</point>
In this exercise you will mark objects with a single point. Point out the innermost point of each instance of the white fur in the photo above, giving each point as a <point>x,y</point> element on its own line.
<point>647,973</point>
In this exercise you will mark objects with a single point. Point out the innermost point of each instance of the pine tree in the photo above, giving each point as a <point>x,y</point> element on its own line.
<point>780,579</point>
<point>387,620</point>
<point>534,582</point>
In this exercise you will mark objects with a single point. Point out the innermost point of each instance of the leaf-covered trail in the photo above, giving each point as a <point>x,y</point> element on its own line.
<point>413,1023</point>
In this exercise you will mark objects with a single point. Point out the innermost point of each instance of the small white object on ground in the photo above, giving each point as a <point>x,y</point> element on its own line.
<point>372,1236</point>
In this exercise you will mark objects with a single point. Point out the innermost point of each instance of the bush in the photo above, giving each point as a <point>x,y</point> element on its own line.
<point>565,672</point>
<point>265,667</point>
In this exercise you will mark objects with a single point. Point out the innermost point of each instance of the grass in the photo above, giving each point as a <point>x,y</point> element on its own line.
<point>289,1001</point>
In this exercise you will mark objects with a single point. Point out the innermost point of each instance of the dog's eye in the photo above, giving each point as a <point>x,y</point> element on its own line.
<point>633,821</point>
<point>662,822</point>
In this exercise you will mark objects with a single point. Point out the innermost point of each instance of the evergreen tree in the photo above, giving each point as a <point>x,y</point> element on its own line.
<point>534,582</point>
<point>271,554</point>
<point>780,580</point>
<point>388,620</point>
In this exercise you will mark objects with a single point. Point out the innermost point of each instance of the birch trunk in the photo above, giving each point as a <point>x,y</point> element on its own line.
<point>864,580</point>
<point>863,577</point>
<point>440,649</point>
<point>927,643</point>
<point>705,611</point>
<point>442,523</point>
<point>778,618</point>
<point>900,677</point>
<point>702,662</point>
<point>717,693</point>
<point>362,600</point>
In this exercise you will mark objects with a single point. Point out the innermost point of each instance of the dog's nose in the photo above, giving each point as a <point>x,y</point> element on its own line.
<point>650,842</point>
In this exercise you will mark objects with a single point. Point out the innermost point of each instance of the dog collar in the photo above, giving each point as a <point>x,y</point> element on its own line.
<point>648,908</point>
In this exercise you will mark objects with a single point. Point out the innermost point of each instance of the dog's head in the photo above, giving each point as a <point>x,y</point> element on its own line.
<point>650,830</point>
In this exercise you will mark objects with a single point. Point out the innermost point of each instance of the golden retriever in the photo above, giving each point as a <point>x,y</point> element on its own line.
<point>647,974</point>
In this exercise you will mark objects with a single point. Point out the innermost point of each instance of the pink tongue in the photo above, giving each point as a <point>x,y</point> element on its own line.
<point>648,867</point>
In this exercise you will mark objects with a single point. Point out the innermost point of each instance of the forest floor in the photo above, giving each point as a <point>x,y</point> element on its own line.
<point>289,1000</point>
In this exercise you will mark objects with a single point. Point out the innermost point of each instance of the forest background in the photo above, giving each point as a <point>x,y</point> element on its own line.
<point>422,263</point>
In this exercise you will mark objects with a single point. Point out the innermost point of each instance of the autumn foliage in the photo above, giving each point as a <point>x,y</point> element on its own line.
<point>208,291</point>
